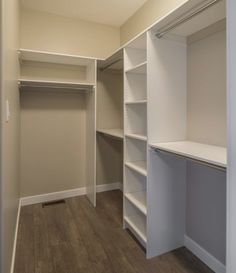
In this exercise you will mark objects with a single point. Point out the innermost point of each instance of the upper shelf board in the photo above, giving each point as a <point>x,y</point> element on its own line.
<point>138,69</point>
<point>55,84</point>
<point>57,58</point>
<point>117,133</point>
<point>204,19</point>
<point>210,154</point>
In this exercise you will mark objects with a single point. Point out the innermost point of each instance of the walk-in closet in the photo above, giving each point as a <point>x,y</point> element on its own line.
<point>117,147</point>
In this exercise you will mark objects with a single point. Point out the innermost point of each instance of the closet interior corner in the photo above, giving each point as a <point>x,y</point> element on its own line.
<point>149,120</point>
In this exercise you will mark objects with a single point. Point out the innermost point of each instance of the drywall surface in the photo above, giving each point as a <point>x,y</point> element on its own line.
<point>150,12</point>
<point>206,99</point>
<point>48,32</point>
<point>206,209</point>
<point>109,116</point>
<point>53,141</point>
<point>9,130</point>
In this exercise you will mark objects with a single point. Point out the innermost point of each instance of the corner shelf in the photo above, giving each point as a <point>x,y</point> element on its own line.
<point>55,84</point>
<point>136,102</point>
<point>138,199</point>
<point>138,69</point>
<point>138,166</point>
<point>137,136</point>
<point>209,154</point>
<point>116,133</point>
<point>137,227</point>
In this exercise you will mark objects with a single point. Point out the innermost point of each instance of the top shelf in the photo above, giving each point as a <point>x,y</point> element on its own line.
<point>214,155</point>
<point>51,57</point>
<point>138,69</point>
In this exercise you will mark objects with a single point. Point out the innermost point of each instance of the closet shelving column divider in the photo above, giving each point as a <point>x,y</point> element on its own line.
<point>135,138</point>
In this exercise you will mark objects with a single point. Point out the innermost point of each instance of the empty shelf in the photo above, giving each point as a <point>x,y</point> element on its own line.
<point>117,133</point>
<point>136,102</point>
<point>137,136</point>
<point>138,199</point>
<point>214,155</point>
<point>138,166</point>
<point>52,57</point>
<point>138,69</point>
<point>55,84</point>
<point>137,226</point>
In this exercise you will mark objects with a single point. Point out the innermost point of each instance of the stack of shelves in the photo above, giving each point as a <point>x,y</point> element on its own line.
<point>41,69</point>
<point>135,138</point>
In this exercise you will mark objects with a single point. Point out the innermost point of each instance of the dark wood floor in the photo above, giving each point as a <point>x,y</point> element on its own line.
<point>76,238</point>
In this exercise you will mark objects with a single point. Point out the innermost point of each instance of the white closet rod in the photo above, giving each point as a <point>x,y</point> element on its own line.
<point>188,17</point>
<point>55,87</point>
<point>110,64</point>
<point>158,150</point>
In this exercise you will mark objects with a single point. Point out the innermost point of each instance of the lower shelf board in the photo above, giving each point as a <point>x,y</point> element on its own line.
<point>116,133</point>
<point>138,166</point>
<point>138,199</point>
<point>137,227</point>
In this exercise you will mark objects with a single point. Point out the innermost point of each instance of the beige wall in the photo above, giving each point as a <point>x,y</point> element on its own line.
<point>150,12</point>
<point>48,32</point>
<point>53,141</point>
<point>109,115</point>
<point>10,130</point>
<point>206,97</point>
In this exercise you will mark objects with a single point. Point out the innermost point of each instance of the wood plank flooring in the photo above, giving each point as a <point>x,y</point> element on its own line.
<point>74,237</point>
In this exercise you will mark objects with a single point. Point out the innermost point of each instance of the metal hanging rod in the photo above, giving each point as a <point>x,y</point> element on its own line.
<point>55,87</point>
<point>158,150</point>
<point>180,21</point>
<point>110,64</point>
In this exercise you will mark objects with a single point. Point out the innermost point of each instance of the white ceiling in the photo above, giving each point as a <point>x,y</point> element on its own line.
<point>110,12</point>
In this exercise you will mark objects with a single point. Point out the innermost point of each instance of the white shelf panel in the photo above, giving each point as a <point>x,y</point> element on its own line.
<point>52,57</point>
<point>138,199</point>
<point>138,69</point>
<point>210,154</point>
<point>117,133</point>
<point>136,102</point>
<point>137,136</point>
<point>55,84</point>
<point>138,227</point>
<point>138,166</point>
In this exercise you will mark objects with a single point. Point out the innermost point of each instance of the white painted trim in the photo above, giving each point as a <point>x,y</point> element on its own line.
<point>15,238</point>
<point>204,256</point>
<point>30,200</point>
<point>109,187</point>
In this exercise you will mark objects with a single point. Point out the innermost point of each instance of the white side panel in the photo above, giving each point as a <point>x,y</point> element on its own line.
<point>166,198</point>
<point>231,80</point>
<point>166,81</point>
<point>91,144</point>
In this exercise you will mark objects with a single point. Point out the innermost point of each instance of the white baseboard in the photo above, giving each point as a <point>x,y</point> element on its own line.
<point>15,238</point>
<point>30,200</point>
<point>204,256</point>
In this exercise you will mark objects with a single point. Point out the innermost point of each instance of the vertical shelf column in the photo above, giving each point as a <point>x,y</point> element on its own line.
<point>135,138</point>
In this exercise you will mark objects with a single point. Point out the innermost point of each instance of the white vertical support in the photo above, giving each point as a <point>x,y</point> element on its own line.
<point>231,170</point>
<point>91,99</point>
<point>166,181</point>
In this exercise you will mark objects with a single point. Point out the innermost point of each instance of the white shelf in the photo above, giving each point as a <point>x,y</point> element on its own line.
<point>209,154</point>
<point>137,226</point>
<point>52,57</point>
<point>138,69</point>
<point>55,84</point>
<point>138,199</point>
<point>138,166</point>
<point>136,102</point>
<point>137,136</point>
<point>117,133</point>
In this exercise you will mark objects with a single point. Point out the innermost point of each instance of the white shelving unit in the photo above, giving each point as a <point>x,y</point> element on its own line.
<point>209,154</point>
<point>45,71</point>
<point>135,141</point>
